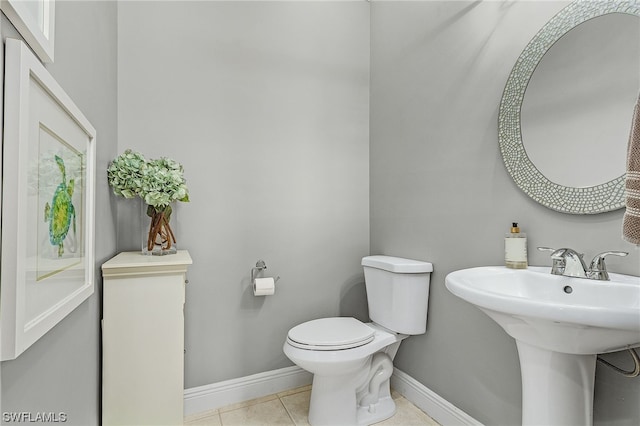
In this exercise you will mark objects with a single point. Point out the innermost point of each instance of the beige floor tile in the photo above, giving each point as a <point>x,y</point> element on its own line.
<point>208,418</point>
<point>408,414</point>
<point>264,413</point>
<point>297,405</point>
<point>248,403</point>
<point>292,408</point>
<point>295,390</point>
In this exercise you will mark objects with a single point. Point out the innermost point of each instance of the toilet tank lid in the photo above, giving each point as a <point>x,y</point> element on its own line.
<point>397,265</point>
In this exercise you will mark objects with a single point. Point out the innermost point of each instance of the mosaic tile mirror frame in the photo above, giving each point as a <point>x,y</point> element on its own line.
<point>603,197</point>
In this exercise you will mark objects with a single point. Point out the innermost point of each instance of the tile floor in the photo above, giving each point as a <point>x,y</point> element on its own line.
<point>291,408</point>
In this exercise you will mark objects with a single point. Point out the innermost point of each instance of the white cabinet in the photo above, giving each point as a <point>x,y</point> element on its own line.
<point>143,339</point>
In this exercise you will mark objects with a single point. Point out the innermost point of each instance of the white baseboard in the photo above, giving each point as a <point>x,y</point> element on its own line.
<point>217,395</point>
<point>439,409</point>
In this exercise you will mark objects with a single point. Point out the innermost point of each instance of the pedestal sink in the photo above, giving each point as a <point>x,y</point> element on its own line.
<point>560,325</point>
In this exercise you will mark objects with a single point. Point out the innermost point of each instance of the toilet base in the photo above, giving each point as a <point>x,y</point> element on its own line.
<point>334,402</point>
<point>382,410</point>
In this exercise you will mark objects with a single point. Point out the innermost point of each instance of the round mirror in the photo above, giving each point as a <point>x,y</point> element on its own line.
<point>564,128</point>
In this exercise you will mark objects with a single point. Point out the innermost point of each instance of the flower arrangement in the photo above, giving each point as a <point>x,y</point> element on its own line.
<point>159,183</point>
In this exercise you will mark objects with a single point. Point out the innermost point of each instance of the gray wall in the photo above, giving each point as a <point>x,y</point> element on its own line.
<point>266,104</point>
<point>440,192</point>
<point>60,372</point>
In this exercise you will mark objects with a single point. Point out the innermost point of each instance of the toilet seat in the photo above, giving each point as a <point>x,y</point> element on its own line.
<point>330,334</point>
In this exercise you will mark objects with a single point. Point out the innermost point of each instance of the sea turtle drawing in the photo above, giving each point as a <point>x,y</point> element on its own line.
<point>61,212</point>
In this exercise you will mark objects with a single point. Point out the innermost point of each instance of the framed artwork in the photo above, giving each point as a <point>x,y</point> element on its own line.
<point>48,184</point>
<point>35,21</point>
<point>1,115</point>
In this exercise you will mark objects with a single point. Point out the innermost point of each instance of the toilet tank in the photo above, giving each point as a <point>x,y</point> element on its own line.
<point>397,292</point>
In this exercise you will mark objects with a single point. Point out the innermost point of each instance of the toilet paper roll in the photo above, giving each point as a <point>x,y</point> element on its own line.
<point>264,286</point>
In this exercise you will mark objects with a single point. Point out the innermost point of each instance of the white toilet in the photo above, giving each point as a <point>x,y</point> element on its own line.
<point>352,361</point>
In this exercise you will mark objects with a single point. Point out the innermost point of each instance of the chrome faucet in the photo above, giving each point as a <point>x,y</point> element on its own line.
<point>559,262</point>
<point>598,269</point>
<point>570,263</point>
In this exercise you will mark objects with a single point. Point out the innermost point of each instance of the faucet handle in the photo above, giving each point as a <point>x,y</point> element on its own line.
<point>557,267</point>
<point>598,267</point>
<point>571,261</point>
<point>546,249</point>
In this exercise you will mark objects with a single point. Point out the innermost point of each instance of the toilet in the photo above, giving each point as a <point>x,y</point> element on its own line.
<point>352,361</point>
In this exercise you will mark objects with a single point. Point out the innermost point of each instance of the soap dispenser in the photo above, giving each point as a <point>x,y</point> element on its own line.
<point>515,248</point>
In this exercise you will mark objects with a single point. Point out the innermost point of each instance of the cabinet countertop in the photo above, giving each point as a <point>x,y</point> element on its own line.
<point>135,262</point>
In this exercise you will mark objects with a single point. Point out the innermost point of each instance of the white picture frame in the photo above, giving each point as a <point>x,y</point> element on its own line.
<point>35,21</point>
<point>47,265</point>
<point>1,116</point>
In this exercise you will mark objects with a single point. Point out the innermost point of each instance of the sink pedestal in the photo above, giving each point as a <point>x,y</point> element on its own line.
<point>557,388</point>
<point>565,315</point>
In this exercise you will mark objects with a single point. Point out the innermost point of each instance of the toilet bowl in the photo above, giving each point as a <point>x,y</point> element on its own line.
<point>342,372</point>
<point>352,361</point>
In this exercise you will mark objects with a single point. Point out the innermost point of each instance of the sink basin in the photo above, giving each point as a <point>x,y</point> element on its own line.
<point>559,324</point>
<point>563,314</point>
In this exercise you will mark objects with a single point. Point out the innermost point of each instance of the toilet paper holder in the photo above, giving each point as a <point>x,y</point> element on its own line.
<point>260,266</point>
